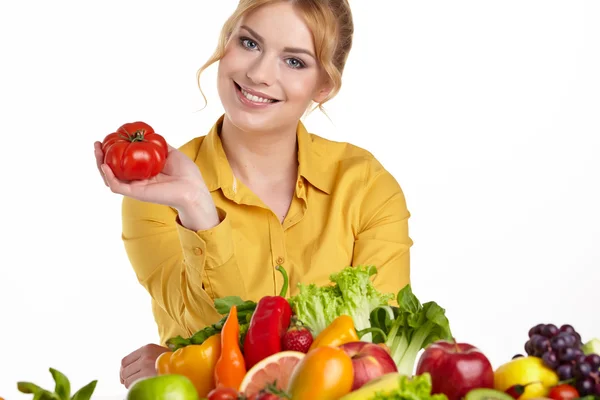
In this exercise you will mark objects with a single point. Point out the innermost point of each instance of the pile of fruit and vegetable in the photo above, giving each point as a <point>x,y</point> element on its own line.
<point>348,341</point>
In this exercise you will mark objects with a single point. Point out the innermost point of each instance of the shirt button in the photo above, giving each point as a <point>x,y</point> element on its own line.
<point>299,183</point>
<point>280,260</point>
<point>197,251</point>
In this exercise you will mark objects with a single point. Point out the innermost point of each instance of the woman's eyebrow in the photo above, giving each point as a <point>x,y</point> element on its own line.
<point>253,32</point>
<point>287,49</point>
<point>298,50</point>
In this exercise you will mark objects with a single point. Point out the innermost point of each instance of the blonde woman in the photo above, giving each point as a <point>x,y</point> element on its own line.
<point>258,190</point>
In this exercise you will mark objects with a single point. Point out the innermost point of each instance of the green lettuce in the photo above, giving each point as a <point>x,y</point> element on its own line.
<point>351,292</point>
<point>416,388</point>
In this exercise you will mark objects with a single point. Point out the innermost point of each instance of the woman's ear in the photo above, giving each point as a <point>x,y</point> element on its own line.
<point>323,92</point>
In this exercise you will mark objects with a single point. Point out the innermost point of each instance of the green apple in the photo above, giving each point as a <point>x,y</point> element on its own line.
<point>591,347</point>
<point>163,387</point>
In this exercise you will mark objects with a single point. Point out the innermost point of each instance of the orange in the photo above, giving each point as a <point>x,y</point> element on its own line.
<point>277,368</point>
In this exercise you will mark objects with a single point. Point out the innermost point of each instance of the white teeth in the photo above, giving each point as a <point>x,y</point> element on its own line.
<point>255,99</point>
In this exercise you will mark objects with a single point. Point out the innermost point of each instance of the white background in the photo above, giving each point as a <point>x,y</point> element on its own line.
<point>487,113</point>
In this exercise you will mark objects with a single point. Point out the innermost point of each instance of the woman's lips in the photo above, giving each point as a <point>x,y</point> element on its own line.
<point>253,100</point>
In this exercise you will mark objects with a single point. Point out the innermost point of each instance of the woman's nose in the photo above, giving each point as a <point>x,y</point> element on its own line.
<point>263,71</point>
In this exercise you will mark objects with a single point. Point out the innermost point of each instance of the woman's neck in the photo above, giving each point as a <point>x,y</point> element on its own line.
<point>260,158</point>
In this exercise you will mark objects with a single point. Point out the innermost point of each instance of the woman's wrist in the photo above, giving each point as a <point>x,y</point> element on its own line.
<point>199,213</point>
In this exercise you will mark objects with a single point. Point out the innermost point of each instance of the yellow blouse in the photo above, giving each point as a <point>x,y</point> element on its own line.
<point>347,210</point>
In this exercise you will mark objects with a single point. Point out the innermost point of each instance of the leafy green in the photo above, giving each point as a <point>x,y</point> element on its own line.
<point>351,292</point>
<point>62,385</point>
<point>223,306</point>
<point>315,306</point>
<point>415,388</point>
<point>85,393</point>
<point>62,390</point>
<point>410,327</point>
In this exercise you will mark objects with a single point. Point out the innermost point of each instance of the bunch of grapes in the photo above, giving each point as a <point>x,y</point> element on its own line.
<point>560,348</point>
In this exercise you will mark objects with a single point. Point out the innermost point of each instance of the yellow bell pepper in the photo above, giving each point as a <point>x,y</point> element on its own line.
<point>529,371</point>
<point>341,331</point>
<point>196,362</point>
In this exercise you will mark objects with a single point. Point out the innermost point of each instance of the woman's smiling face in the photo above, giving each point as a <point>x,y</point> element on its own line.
<point>270,74</point>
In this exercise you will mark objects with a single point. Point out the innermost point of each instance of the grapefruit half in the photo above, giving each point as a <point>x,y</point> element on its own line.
<point>276,368</point>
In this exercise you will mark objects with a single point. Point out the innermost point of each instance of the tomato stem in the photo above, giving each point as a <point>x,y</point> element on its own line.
<point>138,136</point>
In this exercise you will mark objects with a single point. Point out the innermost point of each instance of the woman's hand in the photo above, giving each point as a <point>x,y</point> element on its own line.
<point>178,185</point>
<point>140,364</point>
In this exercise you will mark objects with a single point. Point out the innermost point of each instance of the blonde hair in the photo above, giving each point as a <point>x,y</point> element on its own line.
<point>330,22</point>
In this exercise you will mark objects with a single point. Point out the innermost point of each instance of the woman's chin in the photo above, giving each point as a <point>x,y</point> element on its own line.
<point>249,121</point>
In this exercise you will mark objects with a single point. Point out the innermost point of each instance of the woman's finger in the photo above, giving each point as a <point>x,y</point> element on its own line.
<point>115,185</point>
<point>139,190</point>
<point>99,159</point>
<point>131,379</point>
<point>130,370</point>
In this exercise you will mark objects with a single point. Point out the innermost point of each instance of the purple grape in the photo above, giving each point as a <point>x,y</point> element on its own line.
<point>580,359</point>
<point>536,330</point>
<point>536,338</point>
<point>567,354</point>
<point>529,348</point>
<point>540,344</point>
<point>585,387</point>
<point>567,328</point>
<point>517,356</point>
<point>565,372</point>
<point>550,360</point>
<point>549,331</point>
<point>557,343</point>
<point>569,339</point>
<point>594,361</point>
<point>581,371</point>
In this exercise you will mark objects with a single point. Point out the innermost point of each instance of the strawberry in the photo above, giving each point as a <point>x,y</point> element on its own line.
<point>297,338</point>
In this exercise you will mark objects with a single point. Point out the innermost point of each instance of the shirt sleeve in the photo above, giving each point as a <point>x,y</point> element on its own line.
<point>383,239</point>
<point>169,260</point>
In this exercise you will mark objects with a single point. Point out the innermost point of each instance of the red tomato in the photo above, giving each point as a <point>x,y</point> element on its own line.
<point>135,151</point>
<point>223,393</point>
<point>563,392</point>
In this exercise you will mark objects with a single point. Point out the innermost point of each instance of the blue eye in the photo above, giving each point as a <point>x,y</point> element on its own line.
<point>295,63</point>
<point>248,43</point>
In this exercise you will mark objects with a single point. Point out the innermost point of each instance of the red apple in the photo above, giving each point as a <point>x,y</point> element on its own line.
<point>455,368</point>
<point>369,361</point>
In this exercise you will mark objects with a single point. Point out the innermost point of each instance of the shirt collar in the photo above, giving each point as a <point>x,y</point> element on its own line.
<point>312,159</point>
<point>217,173</point>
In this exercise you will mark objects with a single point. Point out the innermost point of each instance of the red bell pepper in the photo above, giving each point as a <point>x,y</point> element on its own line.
<point>269,323</point>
